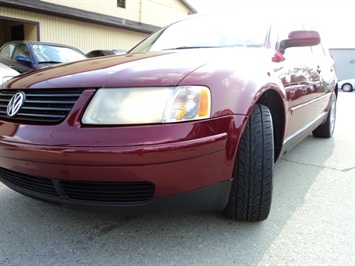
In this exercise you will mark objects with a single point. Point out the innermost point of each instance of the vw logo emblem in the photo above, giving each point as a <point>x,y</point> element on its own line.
<point>16,103</point>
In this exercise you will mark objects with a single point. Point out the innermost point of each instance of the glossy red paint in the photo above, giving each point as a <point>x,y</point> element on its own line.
<point>153,69</point>
<point>73,151</point>
<point>179,159</point>
<point>203,67</point>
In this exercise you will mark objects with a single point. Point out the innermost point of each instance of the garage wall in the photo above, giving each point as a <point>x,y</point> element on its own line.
<point>83,35</point>
<point>344,62</point>
<point>162,12</point>
<point>155,12</point>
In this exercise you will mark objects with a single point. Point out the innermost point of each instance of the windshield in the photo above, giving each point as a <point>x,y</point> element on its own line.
<point>208,31</point>
<point>55,54</point>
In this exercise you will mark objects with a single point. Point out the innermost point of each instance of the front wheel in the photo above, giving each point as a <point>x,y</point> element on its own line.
<point>347,87</point>
<point>326,129</point>
<point>250,196</point>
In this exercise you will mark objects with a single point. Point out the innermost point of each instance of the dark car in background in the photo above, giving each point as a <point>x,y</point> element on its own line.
<point>193,118</point>
<point>97,53</point>
<point>24,56</point>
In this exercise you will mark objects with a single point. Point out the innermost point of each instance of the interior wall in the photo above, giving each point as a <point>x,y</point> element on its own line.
<point>31,29</point>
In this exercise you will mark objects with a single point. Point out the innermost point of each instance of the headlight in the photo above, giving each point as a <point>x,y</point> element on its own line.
<point>123,106</point>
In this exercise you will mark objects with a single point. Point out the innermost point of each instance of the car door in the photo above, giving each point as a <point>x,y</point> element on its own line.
<point>302,83</point>
<point>309,84</point>
<point>327,77</point>
<point>299,72</point>
<point>6,53</point>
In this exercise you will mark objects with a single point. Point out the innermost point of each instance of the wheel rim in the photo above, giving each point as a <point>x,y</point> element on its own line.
<point>332,113</point>
<point>346,87</point>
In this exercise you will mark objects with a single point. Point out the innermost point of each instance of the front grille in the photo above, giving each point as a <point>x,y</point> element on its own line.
<point>109,192</point>
<point>29,183</point>
<point>100,192</point>
<point>41,106</point>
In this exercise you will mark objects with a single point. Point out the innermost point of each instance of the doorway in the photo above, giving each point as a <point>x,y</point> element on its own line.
<point>15,29</point>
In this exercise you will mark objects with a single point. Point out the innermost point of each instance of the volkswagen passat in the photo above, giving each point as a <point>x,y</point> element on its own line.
<point>192,118</point>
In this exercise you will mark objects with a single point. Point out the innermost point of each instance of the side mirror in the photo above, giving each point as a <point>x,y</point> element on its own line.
<point>299,39</point>
<point>22,59</point>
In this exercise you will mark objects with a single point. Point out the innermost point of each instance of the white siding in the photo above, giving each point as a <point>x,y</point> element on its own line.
<point>344,63</point>
<point>83,35</point>
<point>163,12</point>
<point>155,12</point>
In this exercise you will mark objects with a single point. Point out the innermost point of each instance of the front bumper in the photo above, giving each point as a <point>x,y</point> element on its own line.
<point>183,174</point>
<point>213,197</point>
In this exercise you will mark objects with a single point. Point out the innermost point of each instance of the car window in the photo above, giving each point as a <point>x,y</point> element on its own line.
<point>300,53</point>
<point>7,50</point>
<point>318,50</point>
<point>284,27</point>
<point>59,54</point>
<point>282,31</point>
<point>20,49</point>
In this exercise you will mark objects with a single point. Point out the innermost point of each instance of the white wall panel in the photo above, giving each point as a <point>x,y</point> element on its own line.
<point>83,35</point>
<point>156,12</point>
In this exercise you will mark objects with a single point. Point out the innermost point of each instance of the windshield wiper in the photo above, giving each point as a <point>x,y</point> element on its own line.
<point>221,46</point>
<point>49,62</point>
<point>189,47</point>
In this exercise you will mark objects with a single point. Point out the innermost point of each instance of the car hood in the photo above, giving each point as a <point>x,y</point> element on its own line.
<point>153,69</point>
<point>7,71</point>
<point>148,69</point>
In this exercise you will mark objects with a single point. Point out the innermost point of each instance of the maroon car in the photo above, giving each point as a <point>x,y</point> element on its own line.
<point>192,118</point>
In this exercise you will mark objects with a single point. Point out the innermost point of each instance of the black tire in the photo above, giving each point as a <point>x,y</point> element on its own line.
<point>347,87</point>
<point>250,196</point>
<point>326,129</point>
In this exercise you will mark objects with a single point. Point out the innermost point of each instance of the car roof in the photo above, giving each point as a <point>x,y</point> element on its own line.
<point>45,43</point>
<point>41,43</point>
